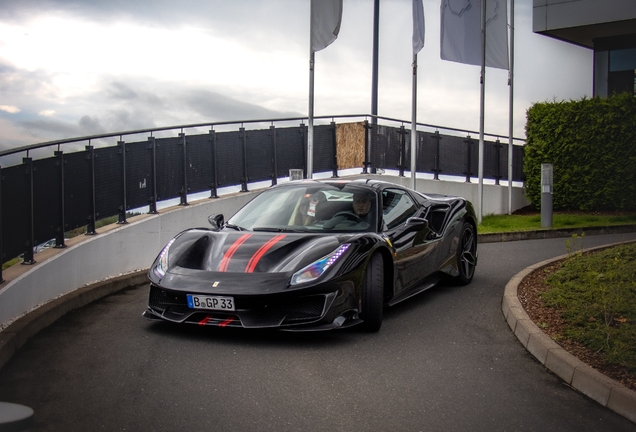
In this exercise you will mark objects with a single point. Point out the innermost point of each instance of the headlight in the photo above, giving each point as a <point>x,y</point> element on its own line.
<point>162,260</point>
<point>315,270</point>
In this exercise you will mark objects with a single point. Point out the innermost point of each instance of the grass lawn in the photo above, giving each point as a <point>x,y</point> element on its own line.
<point>530,222</point>
<point>594,293</point>
<point>596,296</point>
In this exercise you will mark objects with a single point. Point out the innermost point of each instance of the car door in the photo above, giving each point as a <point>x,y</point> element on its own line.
<point>409,235</point>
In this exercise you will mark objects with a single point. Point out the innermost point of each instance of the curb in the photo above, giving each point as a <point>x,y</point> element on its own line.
<point>554,233</point>
<point>21,330</point>
<point>574,372</point>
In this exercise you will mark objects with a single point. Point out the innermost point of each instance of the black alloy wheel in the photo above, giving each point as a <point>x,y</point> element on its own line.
<point>466,254</point>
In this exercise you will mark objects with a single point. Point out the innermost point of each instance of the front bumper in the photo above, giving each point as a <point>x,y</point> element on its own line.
<point>315,311</point>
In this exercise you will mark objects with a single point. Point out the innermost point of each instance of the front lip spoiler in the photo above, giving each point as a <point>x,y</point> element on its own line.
<point>341,322</point>
<point>347,319</point>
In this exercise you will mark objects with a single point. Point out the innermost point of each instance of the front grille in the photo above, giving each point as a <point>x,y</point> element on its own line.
<point>303,308</point>
<point>252,311</point>
<point>173,305</point>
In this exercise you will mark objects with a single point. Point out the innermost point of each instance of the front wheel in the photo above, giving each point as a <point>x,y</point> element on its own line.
<point>373,294</point>
<point>466,255</point>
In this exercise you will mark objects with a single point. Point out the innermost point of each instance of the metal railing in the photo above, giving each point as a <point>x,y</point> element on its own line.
<point>41,199</point>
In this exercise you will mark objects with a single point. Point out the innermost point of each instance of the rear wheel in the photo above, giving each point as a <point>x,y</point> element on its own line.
<point>373,294</point>
<point>466,254</point>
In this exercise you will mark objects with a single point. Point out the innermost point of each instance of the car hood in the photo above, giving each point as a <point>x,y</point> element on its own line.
<point>248,252</point>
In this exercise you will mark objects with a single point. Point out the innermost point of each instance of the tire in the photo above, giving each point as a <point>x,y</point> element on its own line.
<point>373,294</point>
<point>466,255</point>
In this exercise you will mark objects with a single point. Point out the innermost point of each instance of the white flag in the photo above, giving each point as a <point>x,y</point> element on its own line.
<point>461,32</point>
<point>418,26</point>
<point>325,22</point>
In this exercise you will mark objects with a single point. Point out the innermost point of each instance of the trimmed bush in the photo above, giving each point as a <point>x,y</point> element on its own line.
<point>592,145</point>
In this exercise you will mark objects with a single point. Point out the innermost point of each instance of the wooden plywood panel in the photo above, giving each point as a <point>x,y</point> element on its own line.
<point>350,145</point>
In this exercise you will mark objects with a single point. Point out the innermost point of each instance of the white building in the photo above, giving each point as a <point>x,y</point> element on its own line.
<point>606,26</point>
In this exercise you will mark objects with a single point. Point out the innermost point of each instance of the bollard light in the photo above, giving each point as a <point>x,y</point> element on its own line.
<point>547,190</point>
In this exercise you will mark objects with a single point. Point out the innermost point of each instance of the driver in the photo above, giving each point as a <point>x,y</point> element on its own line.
<point>357,217</point>
<point>361,204</point>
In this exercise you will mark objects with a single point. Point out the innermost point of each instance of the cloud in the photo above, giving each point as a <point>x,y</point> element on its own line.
<point>75,68</point>
<point>10,109</point>
<point>53,128</point>
<point>212,105</point>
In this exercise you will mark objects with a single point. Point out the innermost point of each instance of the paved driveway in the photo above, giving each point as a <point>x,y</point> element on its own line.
<point>443,361</point>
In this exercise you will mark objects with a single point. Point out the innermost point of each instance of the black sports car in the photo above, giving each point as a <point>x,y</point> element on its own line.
<point>314,255</point>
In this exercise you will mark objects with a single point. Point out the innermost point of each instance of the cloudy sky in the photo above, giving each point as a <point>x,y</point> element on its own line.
<point>79,67</point>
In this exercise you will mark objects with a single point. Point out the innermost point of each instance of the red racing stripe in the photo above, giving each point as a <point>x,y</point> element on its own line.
<point>226,322</point>
<point>225,262</point>
<point>205,320</point>
<point>251,265</point>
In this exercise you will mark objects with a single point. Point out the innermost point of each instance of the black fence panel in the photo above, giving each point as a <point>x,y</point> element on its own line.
<point>16,217</point>
<point>109,181</point>
<point>200,163</point>
<point>452,155</point>
<point>139,179</point>
<point>78,185</point>
<point>47,199</point>
<point>260,155</point>
<point>324,148</point>
<point>378,145</point>
<point>426,152</point>
<point>394,143</point>
<point>404,162</point>
<point>492,152</point>
<point>517,163</point>
<point>503,161</point>
<point>229,153</point>
<point>387,147</point>
<point>291,150</point>
<point>170,175</point>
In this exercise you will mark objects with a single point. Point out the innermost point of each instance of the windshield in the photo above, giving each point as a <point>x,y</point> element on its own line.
<point>309,208</point>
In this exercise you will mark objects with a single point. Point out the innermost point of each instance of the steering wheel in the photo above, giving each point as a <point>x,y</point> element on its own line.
<point>347,214</point>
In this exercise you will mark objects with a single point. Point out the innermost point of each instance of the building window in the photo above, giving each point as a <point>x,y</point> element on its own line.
<point>615,65</point>
<point>622,67</point>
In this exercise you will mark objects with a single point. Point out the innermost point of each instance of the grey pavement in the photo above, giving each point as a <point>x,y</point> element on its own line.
<point>444,360</point>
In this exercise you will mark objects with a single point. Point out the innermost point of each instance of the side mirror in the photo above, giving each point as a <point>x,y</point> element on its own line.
<point>216,220</point>
<point>417,223</point>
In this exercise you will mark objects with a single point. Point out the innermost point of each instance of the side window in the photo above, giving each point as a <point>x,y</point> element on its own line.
<point>397,207</point>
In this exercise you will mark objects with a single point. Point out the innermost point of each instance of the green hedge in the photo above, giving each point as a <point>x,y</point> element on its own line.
<point>592,144</point>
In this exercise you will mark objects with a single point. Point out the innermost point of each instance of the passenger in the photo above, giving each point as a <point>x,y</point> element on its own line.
<point>303,216</point>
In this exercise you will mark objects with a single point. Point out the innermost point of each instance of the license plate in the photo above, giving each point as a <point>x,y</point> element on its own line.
<point>210,302</point>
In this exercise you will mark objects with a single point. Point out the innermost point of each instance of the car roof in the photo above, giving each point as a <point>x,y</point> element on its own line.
<point>371,184</point>
<point>366,183</point>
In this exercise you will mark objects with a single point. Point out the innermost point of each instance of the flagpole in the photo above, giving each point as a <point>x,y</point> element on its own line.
<point>414,124</point>
<point>480,193</point>
<point>324,26</point>
<point>418,44</point>
<point>511,101</point>
<point>310,129</point>
<point>368,168</point>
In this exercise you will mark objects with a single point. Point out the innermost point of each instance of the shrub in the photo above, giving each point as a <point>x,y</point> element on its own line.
<point>592,145</point>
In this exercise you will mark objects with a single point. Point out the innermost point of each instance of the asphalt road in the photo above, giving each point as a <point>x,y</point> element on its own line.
<point>443,361</point>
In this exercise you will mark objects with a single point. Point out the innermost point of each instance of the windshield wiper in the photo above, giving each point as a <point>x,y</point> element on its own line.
<point>272,229</point>
<point>236,227</point>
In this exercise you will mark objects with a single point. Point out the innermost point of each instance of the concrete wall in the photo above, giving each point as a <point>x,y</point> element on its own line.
<point>128,248</point>
<point>124,249</point>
